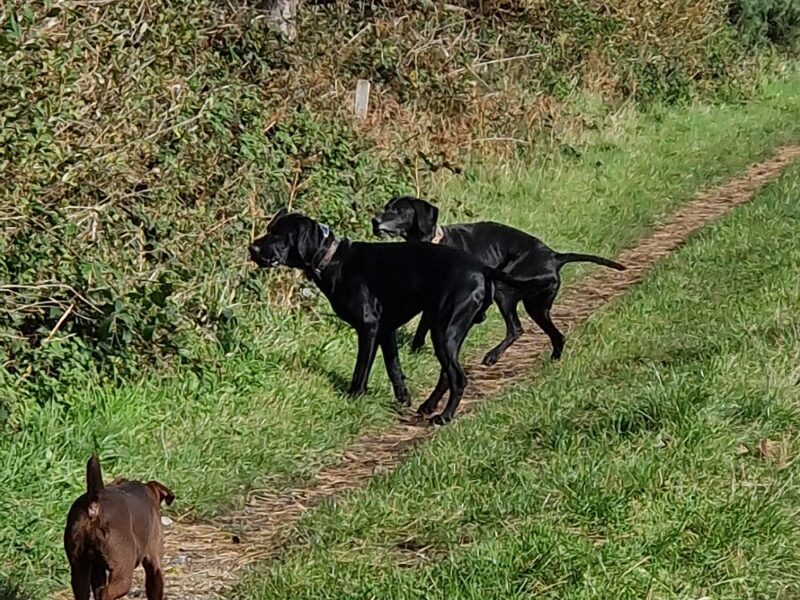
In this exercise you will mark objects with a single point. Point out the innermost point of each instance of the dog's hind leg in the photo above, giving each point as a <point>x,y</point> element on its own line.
<point>392,362</point>
<point>419,336</point>
<point>507,303</point>
<point>80,580</point>
<point>98,580</point>
<point>447,341</point>
<point>456,380</point>
<point>154,579</point>
<point>120,579</point>
<point>540,313</point>
<point>433,400</point>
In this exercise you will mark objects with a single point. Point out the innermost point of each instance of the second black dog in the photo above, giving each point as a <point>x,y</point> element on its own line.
<point>377,287</point>
<point>515,252</point>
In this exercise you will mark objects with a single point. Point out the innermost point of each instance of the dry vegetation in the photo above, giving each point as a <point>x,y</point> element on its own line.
<point>143,143</point>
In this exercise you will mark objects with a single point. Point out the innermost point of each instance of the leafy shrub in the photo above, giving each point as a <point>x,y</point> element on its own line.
<point>142,145</point>
<point>777,21</point>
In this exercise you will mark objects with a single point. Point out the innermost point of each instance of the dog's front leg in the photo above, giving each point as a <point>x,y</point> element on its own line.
<point>392,361</point>
<point>367,345</point>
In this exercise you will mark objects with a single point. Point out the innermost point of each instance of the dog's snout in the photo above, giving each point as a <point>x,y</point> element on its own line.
<point>255,249</point>
<point>376,224</point>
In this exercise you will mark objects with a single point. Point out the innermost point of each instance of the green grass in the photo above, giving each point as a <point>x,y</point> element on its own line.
<point>621,472</point>
<point>269,414</point>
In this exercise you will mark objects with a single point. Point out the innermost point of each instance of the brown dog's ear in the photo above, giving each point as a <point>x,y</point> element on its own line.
<point>426,217</point>
<point>162,492</point>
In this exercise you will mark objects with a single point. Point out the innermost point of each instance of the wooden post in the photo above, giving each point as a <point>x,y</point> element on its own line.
<point>361,104</point>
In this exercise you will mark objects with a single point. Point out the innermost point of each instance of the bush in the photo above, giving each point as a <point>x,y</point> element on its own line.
<point>142,145</point>
<point>777,21</point>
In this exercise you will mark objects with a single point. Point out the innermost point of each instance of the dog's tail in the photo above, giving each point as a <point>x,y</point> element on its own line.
<point>94,484</point>
<point>568,257</point>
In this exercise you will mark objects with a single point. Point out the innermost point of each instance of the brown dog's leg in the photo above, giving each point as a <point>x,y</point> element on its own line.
<point>80,578</point>
<point>154,579</point>
<point>98,580</point>
<point>119,583</point>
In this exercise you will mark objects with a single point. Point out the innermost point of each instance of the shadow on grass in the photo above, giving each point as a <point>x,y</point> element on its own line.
<point>10,591</point>
<point>678,356</point>
<point>340,381</point>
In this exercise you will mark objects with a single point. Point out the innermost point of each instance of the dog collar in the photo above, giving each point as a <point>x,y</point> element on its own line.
<point>328,253</point>
<point>438,235</point>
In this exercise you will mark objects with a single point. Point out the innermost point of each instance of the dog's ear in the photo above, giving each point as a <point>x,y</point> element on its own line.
<point>396,200</point>
<point>162,492</point>
<point>426,215</point>
<point>277,216</point>
<point>309,236</point>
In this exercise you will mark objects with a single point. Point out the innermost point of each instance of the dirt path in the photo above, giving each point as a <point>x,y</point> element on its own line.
<point>203,559</point>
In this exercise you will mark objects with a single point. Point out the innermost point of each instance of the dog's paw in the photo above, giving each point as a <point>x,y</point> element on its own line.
<point>404,399</point>
<point>490,359</point>
<point>425,409</point>
<point>439,420</point>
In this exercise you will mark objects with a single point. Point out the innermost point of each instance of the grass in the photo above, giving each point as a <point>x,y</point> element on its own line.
<point>658,461</point>
<point>268,414</point>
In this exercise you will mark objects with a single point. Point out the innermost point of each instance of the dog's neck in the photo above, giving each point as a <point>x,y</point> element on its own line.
<point>324,255</point>
<point>438,234</point>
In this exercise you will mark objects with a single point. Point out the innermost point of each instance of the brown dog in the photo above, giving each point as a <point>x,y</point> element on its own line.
<point>110,531</point>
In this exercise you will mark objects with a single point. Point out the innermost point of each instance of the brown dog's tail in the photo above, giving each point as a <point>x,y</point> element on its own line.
<point>568,257</point>
<point>162,492</point>
<point>94,484</point>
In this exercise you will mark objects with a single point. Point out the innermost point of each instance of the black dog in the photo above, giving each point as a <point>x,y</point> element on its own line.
<point>377,287</point>
<point>518,254</point>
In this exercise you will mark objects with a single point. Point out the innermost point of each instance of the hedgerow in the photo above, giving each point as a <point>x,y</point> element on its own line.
<point>143,144</point>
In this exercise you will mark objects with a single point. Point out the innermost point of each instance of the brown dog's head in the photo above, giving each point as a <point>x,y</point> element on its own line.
<point>292,240</point>
<point>161,492</point>
<point>407,217</point>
